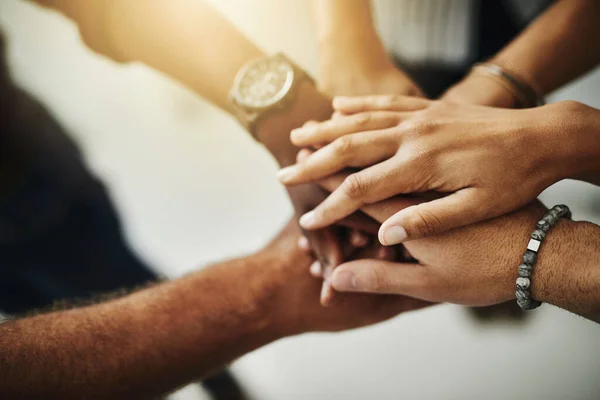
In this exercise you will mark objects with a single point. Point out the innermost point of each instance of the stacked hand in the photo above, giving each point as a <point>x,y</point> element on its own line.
<point>437,173</point>
<point>473,155</point>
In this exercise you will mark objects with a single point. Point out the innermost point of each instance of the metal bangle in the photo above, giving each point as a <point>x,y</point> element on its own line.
<point>524,299</point>
<point>526,94</point>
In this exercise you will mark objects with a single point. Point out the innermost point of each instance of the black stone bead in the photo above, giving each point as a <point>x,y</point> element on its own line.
<point>529,257</point>
<point>525,270</point>
<point>538,234</point>
<point>543,225</point>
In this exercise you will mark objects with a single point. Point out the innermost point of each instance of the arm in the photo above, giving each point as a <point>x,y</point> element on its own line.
<point>477,264</point>
<point>189,41</point>
<point>352,58</point>
<point>155,340</point>
<point>555,49</point>
<point>193,43</point>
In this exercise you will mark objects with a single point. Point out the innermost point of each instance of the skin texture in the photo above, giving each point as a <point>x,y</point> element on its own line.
<point>153,341</point>
<point>477,265</point>
<point>413,146</point>
<point>347,37</point>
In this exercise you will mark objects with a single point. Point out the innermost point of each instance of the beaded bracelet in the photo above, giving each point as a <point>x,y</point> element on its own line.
<point>524,299</point>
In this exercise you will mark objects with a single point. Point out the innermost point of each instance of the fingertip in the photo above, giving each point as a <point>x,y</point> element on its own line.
<point>391,235</point>
<point>304,244</point>
<point>316,269</point>
<point>327,294</point>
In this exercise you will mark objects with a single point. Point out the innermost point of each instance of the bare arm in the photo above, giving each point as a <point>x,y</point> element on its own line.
<point>352,58</point>
<point>556,48</point>
<point>142,345</point>
<point>155,340</point>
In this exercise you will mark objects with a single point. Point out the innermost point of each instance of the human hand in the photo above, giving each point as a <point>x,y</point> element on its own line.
<point>293,303</point>
<point>474,265</point>
<point>474,153</point>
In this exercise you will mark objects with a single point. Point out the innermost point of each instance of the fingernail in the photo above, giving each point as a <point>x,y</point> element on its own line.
<point>343,281</point>
<point>392,235</point>
<point>303,243</point>
<point>307,220</point>
<point>315,269</point>
<point>327,294</point>
<point>286,173</point>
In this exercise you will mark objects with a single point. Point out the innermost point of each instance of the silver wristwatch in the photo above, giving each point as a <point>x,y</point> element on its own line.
<point>264,86</point>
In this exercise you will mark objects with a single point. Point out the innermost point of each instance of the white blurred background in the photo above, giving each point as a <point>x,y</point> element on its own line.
<point>193,188</point>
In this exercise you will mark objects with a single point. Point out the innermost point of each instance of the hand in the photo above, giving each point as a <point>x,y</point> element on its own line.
<point>474,265</point>
<point>293,307</point>
<point>475,154</point>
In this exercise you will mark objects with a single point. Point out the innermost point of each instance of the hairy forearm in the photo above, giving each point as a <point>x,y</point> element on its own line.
<point>142,345</point>
<point>567,273</point>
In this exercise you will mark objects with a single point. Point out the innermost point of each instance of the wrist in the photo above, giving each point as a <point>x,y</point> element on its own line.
<point>274,130</point>
<point>481,90</point>
<point>567,272</point>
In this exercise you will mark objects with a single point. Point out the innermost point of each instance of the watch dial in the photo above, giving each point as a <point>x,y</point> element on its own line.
<point>265,82</point>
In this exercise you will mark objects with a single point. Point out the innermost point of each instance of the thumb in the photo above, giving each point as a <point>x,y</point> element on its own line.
<point>378,276</point>
<point>426,219</point>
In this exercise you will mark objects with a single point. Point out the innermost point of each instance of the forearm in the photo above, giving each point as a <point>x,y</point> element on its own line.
<point>142,345</point>
<point>346,34</point>
<point>193,43</point>
<point>186,39</point>
<point>567,273</point>
<point>552,51</point>
<point>555,48</point>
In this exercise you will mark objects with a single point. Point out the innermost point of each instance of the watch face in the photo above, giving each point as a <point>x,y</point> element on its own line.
<point>264,82</point>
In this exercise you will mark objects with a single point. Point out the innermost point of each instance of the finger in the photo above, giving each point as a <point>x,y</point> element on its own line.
<point>304,244</point>
<point>303,154</point>
<point>352,105</point>
<point>426,219</point>
<point>328,131</point>
<point>377,276</point>
<point>316,270</point>
<point>359,239</point>
<point>356,150</point>
<point>327,248</point>
<point>368,186</point>
<point>327,294</point>
<point>379,211</point>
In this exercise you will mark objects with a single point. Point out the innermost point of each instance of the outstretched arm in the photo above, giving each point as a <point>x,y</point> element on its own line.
<point>157,339</point>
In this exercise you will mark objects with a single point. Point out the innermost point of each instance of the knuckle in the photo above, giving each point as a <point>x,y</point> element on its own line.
<point>426,223</point>
<point>376,279</point>
<point>363,119</point>
<point>343,145</point>
<point>354,186</point>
